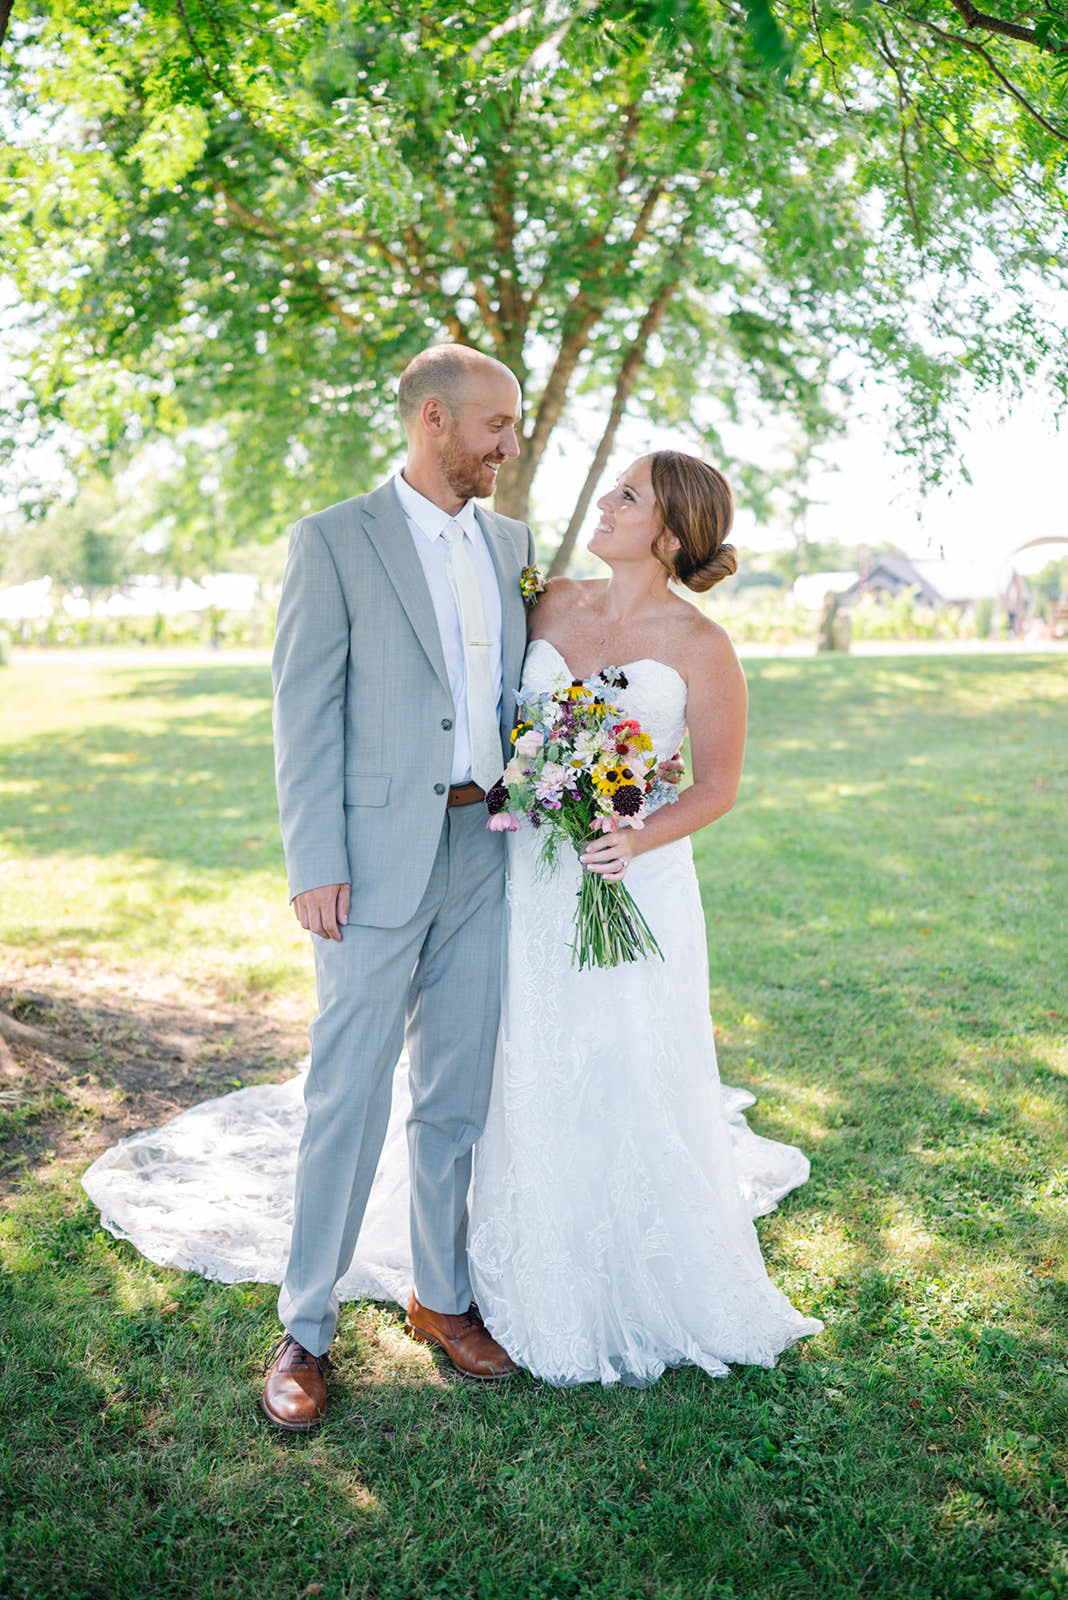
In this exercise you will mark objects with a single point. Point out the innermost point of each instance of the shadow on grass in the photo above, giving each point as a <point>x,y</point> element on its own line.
<point>220,677</point>
<point>885,964</point>
<point>149,1058</point>
<point>136,1462</point>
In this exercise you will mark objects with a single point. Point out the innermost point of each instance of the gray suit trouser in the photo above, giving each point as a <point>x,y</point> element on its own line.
<point>441,970</point>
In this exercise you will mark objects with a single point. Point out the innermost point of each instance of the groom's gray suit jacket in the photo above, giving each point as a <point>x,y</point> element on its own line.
<point>363,715</point>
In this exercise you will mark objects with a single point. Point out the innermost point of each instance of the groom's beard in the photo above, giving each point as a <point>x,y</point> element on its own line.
<point>466,473</point>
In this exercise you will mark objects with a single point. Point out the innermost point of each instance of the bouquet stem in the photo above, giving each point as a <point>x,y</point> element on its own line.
<point>609,928</point>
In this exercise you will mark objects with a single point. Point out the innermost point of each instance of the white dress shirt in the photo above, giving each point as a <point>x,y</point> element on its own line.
<point>426,520</point>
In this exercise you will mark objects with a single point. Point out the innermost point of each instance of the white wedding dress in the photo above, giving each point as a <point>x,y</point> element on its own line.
<point>616,1182</point>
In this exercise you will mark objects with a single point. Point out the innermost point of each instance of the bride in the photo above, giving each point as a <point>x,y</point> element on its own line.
<point>611,1232</point>
<point>615,1184</point>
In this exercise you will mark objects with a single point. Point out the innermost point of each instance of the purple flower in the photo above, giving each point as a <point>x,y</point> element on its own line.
<point>496,798</point>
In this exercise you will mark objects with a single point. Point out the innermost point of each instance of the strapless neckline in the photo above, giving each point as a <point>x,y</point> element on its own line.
<point>621,666</point>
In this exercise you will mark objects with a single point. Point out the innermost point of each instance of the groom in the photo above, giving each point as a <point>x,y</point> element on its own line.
<point>399,645</point>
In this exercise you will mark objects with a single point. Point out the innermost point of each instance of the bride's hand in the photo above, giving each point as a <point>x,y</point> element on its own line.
<point>611,854</point>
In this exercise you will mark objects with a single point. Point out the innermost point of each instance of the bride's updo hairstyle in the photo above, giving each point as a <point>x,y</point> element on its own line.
<point>696,505</point>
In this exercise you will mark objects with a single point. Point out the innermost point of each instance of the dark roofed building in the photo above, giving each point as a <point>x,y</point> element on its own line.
<point>892,575</point>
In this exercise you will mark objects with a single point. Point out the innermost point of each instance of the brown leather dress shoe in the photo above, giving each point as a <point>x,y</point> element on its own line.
<point>295,1392</point>
<point>464,1339</point>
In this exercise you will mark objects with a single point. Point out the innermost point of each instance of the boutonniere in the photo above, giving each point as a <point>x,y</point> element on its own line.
<point>531,586</point>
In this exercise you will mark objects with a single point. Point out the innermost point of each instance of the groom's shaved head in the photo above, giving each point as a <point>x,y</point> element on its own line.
<point>449,373</point>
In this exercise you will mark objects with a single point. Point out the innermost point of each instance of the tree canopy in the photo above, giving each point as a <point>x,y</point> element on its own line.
<point>232,226</point>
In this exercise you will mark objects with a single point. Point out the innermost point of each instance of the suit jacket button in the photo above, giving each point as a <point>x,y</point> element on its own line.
<point>446,723</point>
<point>439,788</point>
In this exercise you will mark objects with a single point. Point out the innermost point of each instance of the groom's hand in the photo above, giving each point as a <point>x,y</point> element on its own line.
<point>672,771</point>
<point>323,911</point>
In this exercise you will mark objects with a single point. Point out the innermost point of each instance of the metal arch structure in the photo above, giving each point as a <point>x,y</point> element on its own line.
<point>1050,538</point>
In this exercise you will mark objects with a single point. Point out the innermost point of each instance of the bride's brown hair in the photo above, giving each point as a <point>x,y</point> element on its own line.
<point>696,505</point>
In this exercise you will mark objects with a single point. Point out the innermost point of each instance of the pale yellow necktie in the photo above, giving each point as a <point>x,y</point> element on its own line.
<point>482,725</point>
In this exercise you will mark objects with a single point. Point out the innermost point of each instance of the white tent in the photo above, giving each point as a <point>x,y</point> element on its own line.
<point>27,601</point>
<point>812,588</point>
<point>148,596</point>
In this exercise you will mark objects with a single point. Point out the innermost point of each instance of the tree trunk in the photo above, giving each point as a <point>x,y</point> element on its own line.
<point>586,310</point>
<point>5,17</point>
<point>513,495</point>
<point>628,376</point>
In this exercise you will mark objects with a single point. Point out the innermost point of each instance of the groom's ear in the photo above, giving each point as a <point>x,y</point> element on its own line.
<point>434,416</point>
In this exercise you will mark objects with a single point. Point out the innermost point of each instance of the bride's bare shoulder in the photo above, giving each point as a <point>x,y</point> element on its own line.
<point>562,595</point>
<point>562,589</point>
<point>703,642</point>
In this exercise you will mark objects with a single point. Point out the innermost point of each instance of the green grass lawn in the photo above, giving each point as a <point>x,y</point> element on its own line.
<point>886,915</point>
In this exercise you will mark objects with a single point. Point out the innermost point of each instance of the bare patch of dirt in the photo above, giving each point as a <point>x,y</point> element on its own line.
<point>155,1046</point>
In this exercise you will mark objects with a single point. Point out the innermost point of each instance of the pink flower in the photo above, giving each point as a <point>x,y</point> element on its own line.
<point>501,822</point>
<point>528,744</point>
<point>550,777</point>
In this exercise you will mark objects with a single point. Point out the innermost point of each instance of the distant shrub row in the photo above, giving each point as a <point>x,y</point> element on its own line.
<point>770,616</point>
<point>225,629</point>
<point>752,616</point>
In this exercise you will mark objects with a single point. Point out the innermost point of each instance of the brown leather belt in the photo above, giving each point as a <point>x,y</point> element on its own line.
<point>465,794</point>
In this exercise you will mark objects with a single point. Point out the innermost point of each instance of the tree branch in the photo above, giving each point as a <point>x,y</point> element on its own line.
<point>586,309</point>
<point>626,378</point>
<point>985,168</point>
<point>631,122</point>
<point>1009,30</point>
<point>266,229</point>
<point>412,265</point>
<point>430,286</point>
<point>223,83</point>
<point>977,49</point>
<point>902,97</point>
<point>588,304</point>
<point>512,313</point>
<point>815,15</point>
<point>461,249</point>
<point>983,161</point>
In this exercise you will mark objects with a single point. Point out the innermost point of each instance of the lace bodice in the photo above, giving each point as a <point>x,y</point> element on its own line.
<point>655,694</point>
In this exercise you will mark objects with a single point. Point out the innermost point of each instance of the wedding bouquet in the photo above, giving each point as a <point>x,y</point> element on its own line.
<point>580,767</point>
